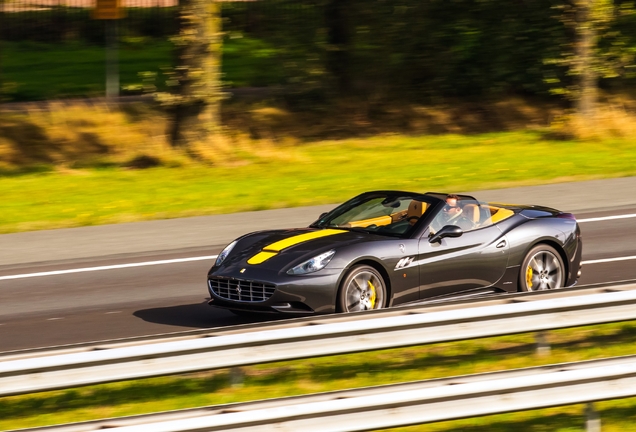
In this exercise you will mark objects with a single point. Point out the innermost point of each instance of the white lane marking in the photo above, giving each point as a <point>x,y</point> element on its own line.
<point>211,257</point>
<point>110,267</point>
<point>54,319</point>
<point>115,312</point>
<point>606,260</point>
<point>605,218</point>
<point>201,258</point>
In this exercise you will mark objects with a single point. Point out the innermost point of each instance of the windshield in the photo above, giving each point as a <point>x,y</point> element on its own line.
<point>381,213</point>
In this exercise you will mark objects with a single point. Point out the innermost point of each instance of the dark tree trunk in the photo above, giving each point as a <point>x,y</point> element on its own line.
<point>337,15</point>
<point>194,107</point>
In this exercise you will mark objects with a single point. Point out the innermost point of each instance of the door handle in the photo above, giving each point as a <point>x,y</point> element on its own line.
<point>501,244</point>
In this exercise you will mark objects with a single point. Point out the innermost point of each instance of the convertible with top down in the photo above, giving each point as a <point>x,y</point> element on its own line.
<point>387,248</point>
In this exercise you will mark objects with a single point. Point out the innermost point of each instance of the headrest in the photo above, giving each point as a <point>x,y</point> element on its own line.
<point>472,212</point>
<point>416,209</point>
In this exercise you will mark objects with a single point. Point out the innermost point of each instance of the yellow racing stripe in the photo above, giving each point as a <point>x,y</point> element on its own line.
<point>275,248</point>
<point>301,238</point>
<point>261,257</point>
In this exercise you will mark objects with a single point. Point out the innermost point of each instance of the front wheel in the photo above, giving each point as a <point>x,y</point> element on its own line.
<point>542,269</point>
<point>362,289</point>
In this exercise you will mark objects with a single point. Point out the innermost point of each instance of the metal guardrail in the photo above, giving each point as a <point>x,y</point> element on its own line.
<point>399,405</point>
<point>51,370</point>
<point>425,306</point>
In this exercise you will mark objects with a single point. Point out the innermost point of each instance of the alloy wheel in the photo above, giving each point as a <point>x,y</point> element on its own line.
<point>363,290</point>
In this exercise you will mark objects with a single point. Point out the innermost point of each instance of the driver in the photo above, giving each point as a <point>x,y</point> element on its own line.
<point>449,214</point>
<point>451,210</point>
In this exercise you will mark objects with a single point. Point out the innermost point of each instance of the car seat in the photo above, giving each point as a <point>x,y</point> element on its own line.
<point>471,212</point>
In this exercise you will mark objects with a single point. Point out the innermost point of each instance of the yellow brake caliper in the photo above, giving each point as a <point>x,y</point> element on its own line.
<point>373,296</point>
<point>529,277</point>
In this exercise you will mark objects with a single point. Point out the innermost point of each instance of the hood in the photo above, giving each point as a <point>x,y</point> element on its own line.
<point>276,250</point>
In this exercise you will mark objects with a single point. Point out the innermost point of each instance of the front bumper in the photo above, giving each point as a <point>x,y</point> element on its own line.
<point>314,293</point>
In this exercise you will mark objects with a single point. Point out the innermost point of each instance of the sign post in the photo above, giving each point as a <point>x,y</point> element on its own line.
<point>110,11</point>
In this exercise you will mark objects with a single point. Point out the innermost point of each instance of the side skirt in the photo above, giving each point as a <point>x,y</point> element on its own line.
<point>510,280</point>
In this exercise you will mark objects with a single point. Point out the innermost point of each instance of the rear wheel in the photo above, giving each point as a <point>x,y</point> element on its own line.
<point>362,289</point>
<point>542,269</point>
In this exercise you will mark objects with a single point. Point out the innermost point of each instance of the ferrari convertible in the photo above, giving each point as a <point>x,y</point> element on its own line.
<point>387,248</point>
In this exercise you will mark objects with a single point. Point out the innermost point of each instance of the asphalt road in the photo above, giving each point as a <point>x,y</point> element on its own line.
<point>117,302</point>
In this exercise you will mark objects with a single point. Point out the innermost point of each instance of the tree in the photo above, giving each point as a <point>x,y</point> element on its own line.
<point>194,103</point>
<point>338,24</point>
<point>585,67</point>
<point>599,50</point>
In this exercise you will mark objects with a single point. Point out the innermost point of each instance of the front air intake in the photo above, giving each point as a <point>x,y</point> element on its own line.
<point>241,290</point>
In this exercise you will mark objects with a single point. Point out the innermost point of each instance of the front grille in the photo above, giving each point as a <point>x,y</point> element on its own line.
<point>241,290</point>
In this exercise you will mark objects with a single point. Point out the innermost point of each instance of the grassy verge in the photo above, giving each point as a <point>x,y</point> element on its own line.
<point>350,371</point>
<point>78,165</point>
<point>257,175</point>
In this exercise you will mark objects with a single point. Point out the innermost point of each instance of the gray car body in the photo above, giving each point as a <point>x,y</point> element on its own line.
<point>414,269</point>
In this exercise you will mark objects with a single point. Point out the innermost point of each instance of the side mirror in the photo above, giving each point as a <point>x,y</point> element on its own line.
<point>323,215</point>
<point>447,231</point>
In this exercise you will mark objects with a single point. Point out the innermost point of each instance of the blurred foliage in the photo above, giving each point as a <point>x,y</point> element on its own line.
<point>414,50</point>
<point>424,50</point>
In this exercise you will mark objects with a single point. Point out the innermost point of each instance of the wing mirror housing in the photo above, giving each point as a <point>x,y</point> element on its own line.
<point>447,231</point>
<point>317,223</point>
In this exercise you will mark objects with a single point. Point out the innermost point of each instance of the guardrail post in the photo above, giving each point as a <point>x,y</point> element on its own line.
<point>543,346</point>
<point>236,377</point>
<point>593,421</point>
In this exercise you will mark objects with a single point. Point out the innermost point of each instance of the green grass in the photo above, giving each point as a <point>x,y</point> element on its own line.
<point>49,71</point>
<point>350,371</point>
<point>258,178</point>
<point>39,71</point>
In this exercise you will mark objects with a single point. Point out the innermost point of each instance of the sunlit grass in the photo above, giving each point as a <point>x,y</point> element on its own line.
<point>616,416</point>
<point>348,371</point>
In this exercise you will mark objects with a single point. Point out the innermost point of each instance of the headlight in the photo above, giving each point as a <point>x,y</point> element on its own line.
<point>224,253</point>
<point>313,265</point>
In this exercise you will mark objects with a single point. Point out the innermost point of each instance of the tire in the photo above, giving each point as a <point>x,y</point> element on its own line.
<point>542,269</point>
<point>362,289</point>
